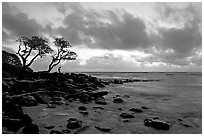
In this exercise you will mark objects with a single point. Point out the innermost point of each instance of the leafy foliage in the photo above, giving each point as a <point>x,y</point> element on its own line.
<point>34,45</point>
<point>63,53</point>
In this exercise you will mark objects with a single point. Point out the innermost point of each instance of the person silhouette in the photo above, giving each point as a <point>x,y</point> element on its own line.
<point>59,69</point>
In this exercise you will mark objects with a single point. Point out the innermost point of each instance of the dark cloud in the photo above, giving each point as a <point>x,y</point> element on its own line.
<point>20,25</point>
<point>107,30</point>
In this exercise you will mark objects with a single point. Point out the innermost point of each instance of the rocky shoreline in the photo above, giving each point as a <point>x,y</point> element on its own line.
<point>28,89</point>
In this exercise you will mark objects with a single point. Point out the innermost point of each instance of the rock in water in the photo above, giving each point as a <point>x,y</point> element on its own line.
<point>103,129</point>
<point>156,123</point>
<point>126,115</point>
<point>144,107</point>
<point>118,100</point>
<point>55,132</point>
<point>84,112</point>
<point>30,129</point>
<point>26,119</point>
<point>136,110</point>
<point>66,131</point>
<point>49,126</point>
<point>101,101</point>
<point>73,123</point>
<point>83,108</point>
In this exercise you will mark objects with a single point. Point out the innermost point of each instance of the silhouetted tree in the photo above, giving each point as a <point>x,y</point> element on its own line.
<point>34,45</point>
<point>11,59</point>
<point>63,53</point>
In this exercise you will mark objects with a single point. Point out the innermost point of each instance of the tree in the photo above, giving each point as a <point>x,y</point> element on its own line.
<point>11,59</point>
<point>63,53</point>
<point>34,45</point>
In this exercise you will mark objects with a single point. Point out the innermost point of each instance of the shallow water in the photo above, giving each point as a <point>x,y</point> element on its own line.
<point>175,96</point>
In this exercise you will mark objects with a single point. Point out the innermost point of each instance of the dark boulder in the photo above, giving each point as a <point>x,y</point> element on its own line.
<point>156,123</point>
<point>66,131</point>
<point>25,101</point>
<point>49,126</point>
<point>55,132</point>
<point>84,112</point>
<point>118,100</point>
<point>26,119</point>
<point>144,107</point>
<point>136,110</point>
<point>73,123</point>
<point>12,124</point>
<point>126,115</point>
<point>103,129</point>
<point>83,108</point>
<point>101,101</point>
<point>117,81</point>
<point>30,129</point>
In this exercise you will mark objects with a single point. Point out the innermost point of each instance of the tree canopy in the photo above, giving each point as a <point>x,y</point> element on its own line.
<point>11,59</point>
<point>34,45</point>
<point>63,53</point>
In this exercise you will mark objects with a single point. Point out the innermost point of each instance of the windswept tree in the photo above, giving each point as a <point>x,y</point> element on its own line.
<point>32,47</point>
<point>63,53</point>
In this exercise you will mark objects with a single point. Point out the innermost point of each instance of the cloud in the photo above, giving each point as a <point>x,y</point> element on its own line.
<point>106,30</point>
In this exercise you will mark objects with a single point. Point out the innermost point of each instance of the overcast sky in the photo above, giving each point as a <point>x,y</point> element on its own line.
<point>112,36</point>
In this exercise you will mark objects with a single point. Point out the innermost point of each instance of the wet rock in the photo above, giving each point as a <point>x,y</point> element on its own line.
<point>84,112</point>
<point>101,101</point>
<point>186,125</point>
<point>117,81</point>
<point>49,126</point>
<point>144,107</point>
<point>55,132</point>
<point>179,119</point>
<point>50,105</point>
<point>156,123</point>
<point>26,119</point>
<point>78,131</point>
<point>66,131</point>
<point>73,123</point>
<point>30,129</point>
<point>126,120</point>
<point>118,100</point>
<point>126,115</point>
<point>25,101</point>
<point>136,110</point>
<point>12,124</point>
<point>120,109</point>
<point>103,129</point>
<point>83,108</point>
<point>101,108</point>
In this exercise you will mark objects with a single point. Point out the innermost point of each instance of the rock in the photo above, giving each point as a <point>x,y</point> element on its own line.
<point>101,101</point>
<point>84,112</point>
<point>126,120</point>
<point>136,110</point>
<point>186,125</point>
<point>49,105</point>
<point>25,101</point>
<point>126,115</point>
<point>26,119</point>
<point>73,123</point>
<point>144,107</point>
<point>49,126</point>
<point>101,108</point>
<point>83,108</point>
<point>179,119</point>
<point>99,94</point>
<point>55,132</point>
<point>12,124</point>
<point>42,99</point>
<point>120,109</point>
<point>118,100</point>
<point>156,123</point>
<point>117,81</point>
<point>66,131</point>
<point>30,129</point>
<point>103,129</point>
<point>78,131</point>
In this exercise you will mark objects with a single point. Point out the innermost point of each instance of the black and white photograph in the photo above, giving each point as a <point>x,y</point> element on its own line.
<point>101,67</point>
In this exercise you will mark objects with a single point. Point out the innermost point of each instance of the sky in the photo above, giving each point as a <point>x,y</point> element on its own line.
<point>117,36</point>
